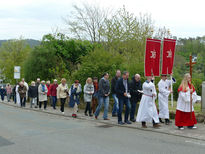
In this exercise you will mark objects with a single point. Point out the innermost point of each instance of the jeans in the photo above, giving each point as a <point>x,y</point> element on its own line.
<point>88,108</point>
<point>44,103</point>
<point>62,104</point>
<point>23,101</point>
<point>2,97</point>
<point>50,98</point>
<point>8,97</point>
<point>54,101</point>
<point>116,105</point>
<point>102,100</point>
<point>123,101</point>
<point>133,110</point>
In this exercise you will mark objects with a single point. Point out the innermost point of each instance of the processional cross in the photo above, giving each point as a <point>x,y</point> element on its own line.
<point>190,64</point>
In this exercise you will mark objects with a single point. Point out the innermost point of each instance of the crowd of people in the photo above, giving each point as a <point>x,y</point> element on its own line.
<point>124,93</point>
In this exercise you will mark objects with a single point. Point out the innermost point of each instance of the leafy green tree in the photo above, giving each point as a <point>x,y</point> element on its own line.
<point>56,57</point>
<point>96,63</point>
<point>43,63</point>
<point>13,53</point>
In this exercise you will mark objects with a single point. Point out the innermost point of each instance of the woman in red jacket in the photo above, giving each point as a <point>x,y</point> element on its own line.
<point>48,85</point>
<point>53,92</point>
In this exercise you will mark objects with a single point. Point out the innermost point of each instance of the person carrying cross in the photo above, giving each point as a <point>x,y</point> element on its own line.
<point>184,114</point>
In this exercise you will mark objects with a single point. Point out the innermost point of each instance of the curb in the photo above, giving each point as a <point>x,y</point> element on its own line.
<point>106,123</point>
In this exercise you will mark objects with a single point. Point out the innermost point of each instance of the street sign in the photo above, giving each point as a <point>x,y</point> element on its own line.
<point>17,72</point>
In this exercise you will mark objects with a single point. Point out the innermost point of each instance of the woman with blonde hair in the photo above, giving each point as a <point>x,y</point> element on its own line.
<point>33,94</point>
<point>62,93</point>
<point>88,93</point>
<point>184,115</point>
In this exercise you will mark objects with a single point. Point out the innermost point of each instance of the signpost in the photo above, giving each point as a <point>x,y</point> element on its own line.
<point>17,72</point>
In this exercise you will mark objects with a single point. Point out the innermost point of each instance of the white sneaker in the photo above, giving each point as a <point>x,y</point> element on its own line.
<point>181,128</point>
<point>62,112</point>
<point>194,127</point>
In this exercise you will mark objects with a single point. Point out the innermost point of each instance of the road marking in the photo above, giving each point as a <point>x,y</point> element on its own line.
<point>194,142</point>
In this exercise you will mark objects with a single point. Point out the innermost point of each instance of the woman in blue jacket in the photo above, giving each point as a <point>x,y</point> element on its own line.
<point>74,93</point>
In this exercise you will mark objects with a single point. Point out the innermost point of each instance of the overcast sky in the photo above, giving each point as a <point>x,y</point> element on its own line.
<point>34,18</point>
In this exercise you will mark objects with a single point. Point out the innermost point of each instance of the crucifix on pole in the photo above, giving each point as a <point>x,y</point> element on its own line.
<point>190,64</point>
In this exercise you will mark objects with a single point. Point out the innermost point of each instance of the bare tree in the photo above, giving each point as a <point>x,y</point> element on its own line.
<point>161,33</point>
<point>86,22</point>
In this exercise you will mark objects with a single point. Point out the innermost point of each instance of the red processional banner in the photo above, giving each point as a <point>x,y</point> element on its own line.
<point>168,55</point>
<point>152,57</point>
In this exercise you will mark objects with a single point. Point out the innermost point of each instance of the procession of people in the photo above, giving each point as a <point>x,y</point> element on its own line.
<point>132,94</point>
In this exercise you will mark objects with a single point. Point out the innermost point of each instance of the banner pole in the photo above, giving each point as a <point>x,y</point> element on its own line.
<point>172,100</point>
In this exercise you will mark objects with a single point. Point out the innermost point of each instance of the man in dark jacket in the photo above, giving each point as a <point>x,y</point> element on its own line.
<point>22,92</point>
<point>113,85</point>
<point>104,92</point>
<point>135,86</point>
<point>123,94</point>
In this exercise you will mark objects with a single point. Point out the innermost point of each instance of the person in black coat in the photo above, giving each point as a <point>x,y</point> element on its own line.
<point>113,90</point>
<point>123,95</point>
<point>135,86</point>
<point>14,93</point>
<point>2,93</point>
<point>33,94</point>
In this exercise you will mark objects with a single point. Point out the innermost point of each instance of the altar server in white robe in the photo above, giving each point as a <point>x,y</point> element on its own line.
<point>163,97</point>
<point>147,111</point>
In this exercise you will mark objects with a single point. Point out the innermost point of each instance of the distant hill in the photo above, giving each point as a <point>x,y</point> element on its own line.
<point>31,42</point>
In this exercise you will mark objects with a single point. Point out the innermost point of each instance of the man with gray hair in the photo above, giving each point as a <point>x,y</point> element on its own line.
<point>123,94</point>
<point>113,90</point>
<point>135,87</point>
<point>22,90</point>
<point>27,87</point>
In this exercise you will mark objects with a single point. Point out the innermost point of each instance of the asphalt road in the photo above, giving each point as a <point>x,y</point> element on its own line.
<point>30,132</point>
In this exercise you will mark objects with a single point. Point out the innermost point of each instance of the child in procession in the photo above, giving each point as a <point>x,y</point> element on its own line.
<point>163,96</point>
<point>147,109</point>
